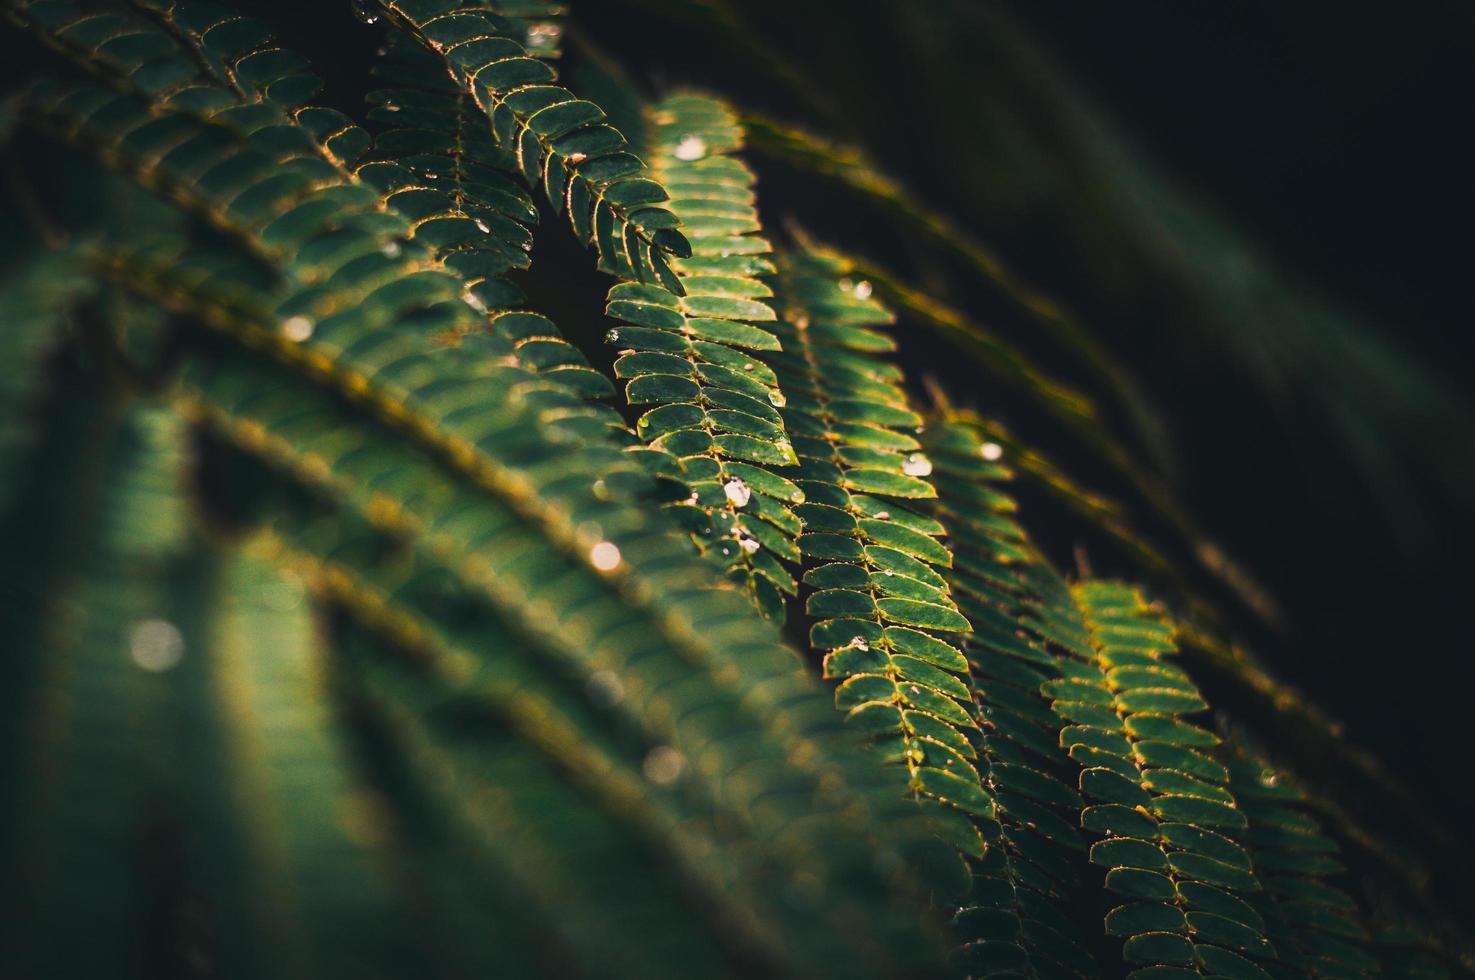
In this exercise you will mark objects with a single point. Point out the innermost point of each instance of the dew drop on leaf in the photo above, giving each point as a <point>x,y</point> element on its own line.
<point>738,492</point>
<point>485,230</point>
<point>605,556</point>
<point>863,290</point>
<point>297,328</point>
<point>916,465</point>
<point>663,765</point>
<point>156,645</point>
<point>992,451</point>
<point>690,148</point>
<point>776,398</point>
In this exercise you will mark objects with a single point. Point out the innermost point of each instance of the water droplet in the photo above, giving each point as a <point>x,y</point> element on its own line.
<point>992,451</point>
<point>483,226</point>
<point>297,328</point>
<point>543,36</point>
<point>737,491</point>
<point>577,157</point>
<point>606,689</point>
<point>390,250</point>
<point>601,490</point>
<point>156,645</point>
<point>883,515</point>
<point>916,465</point>
<point>859,643</point>
<point>847,284</point>
<point>474,301</point>
<point>390,107</point>
<point>605,556</point>
<point>693,499</point>
<point>747,367</point>
<point>863,290</point>
<point>776,398</point>
<point>663,765</point>
<point>611,336</point>
<point>746,541</point>
<point>364,11</point>
<point>797,496</point>
<point>691,148</point>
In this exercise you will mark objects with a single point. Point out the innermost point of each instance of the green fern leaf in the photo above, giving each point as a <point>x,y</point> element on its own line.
<point>691,354</point>
<point>558,141</point>
<point>1169,821</point>
<point>880,608</point>
<point>1313,924</point>
<point>1016,916</point>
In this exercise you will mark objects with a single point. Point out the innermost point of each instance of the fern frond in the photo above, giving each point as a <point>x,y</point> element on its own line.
<point>1318,923</point>
<point>449,658</point>
<point>692,356</point>
<point>433,149</point>
<point>689,352</point>
<point>467,540</point>
<point>1015,918</point>
<point>1169,821</point>
<point>592,886</point>
<point>435,159</point>
<point>559,142</point>
<point>292,841</point>
<point>879,603</point>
